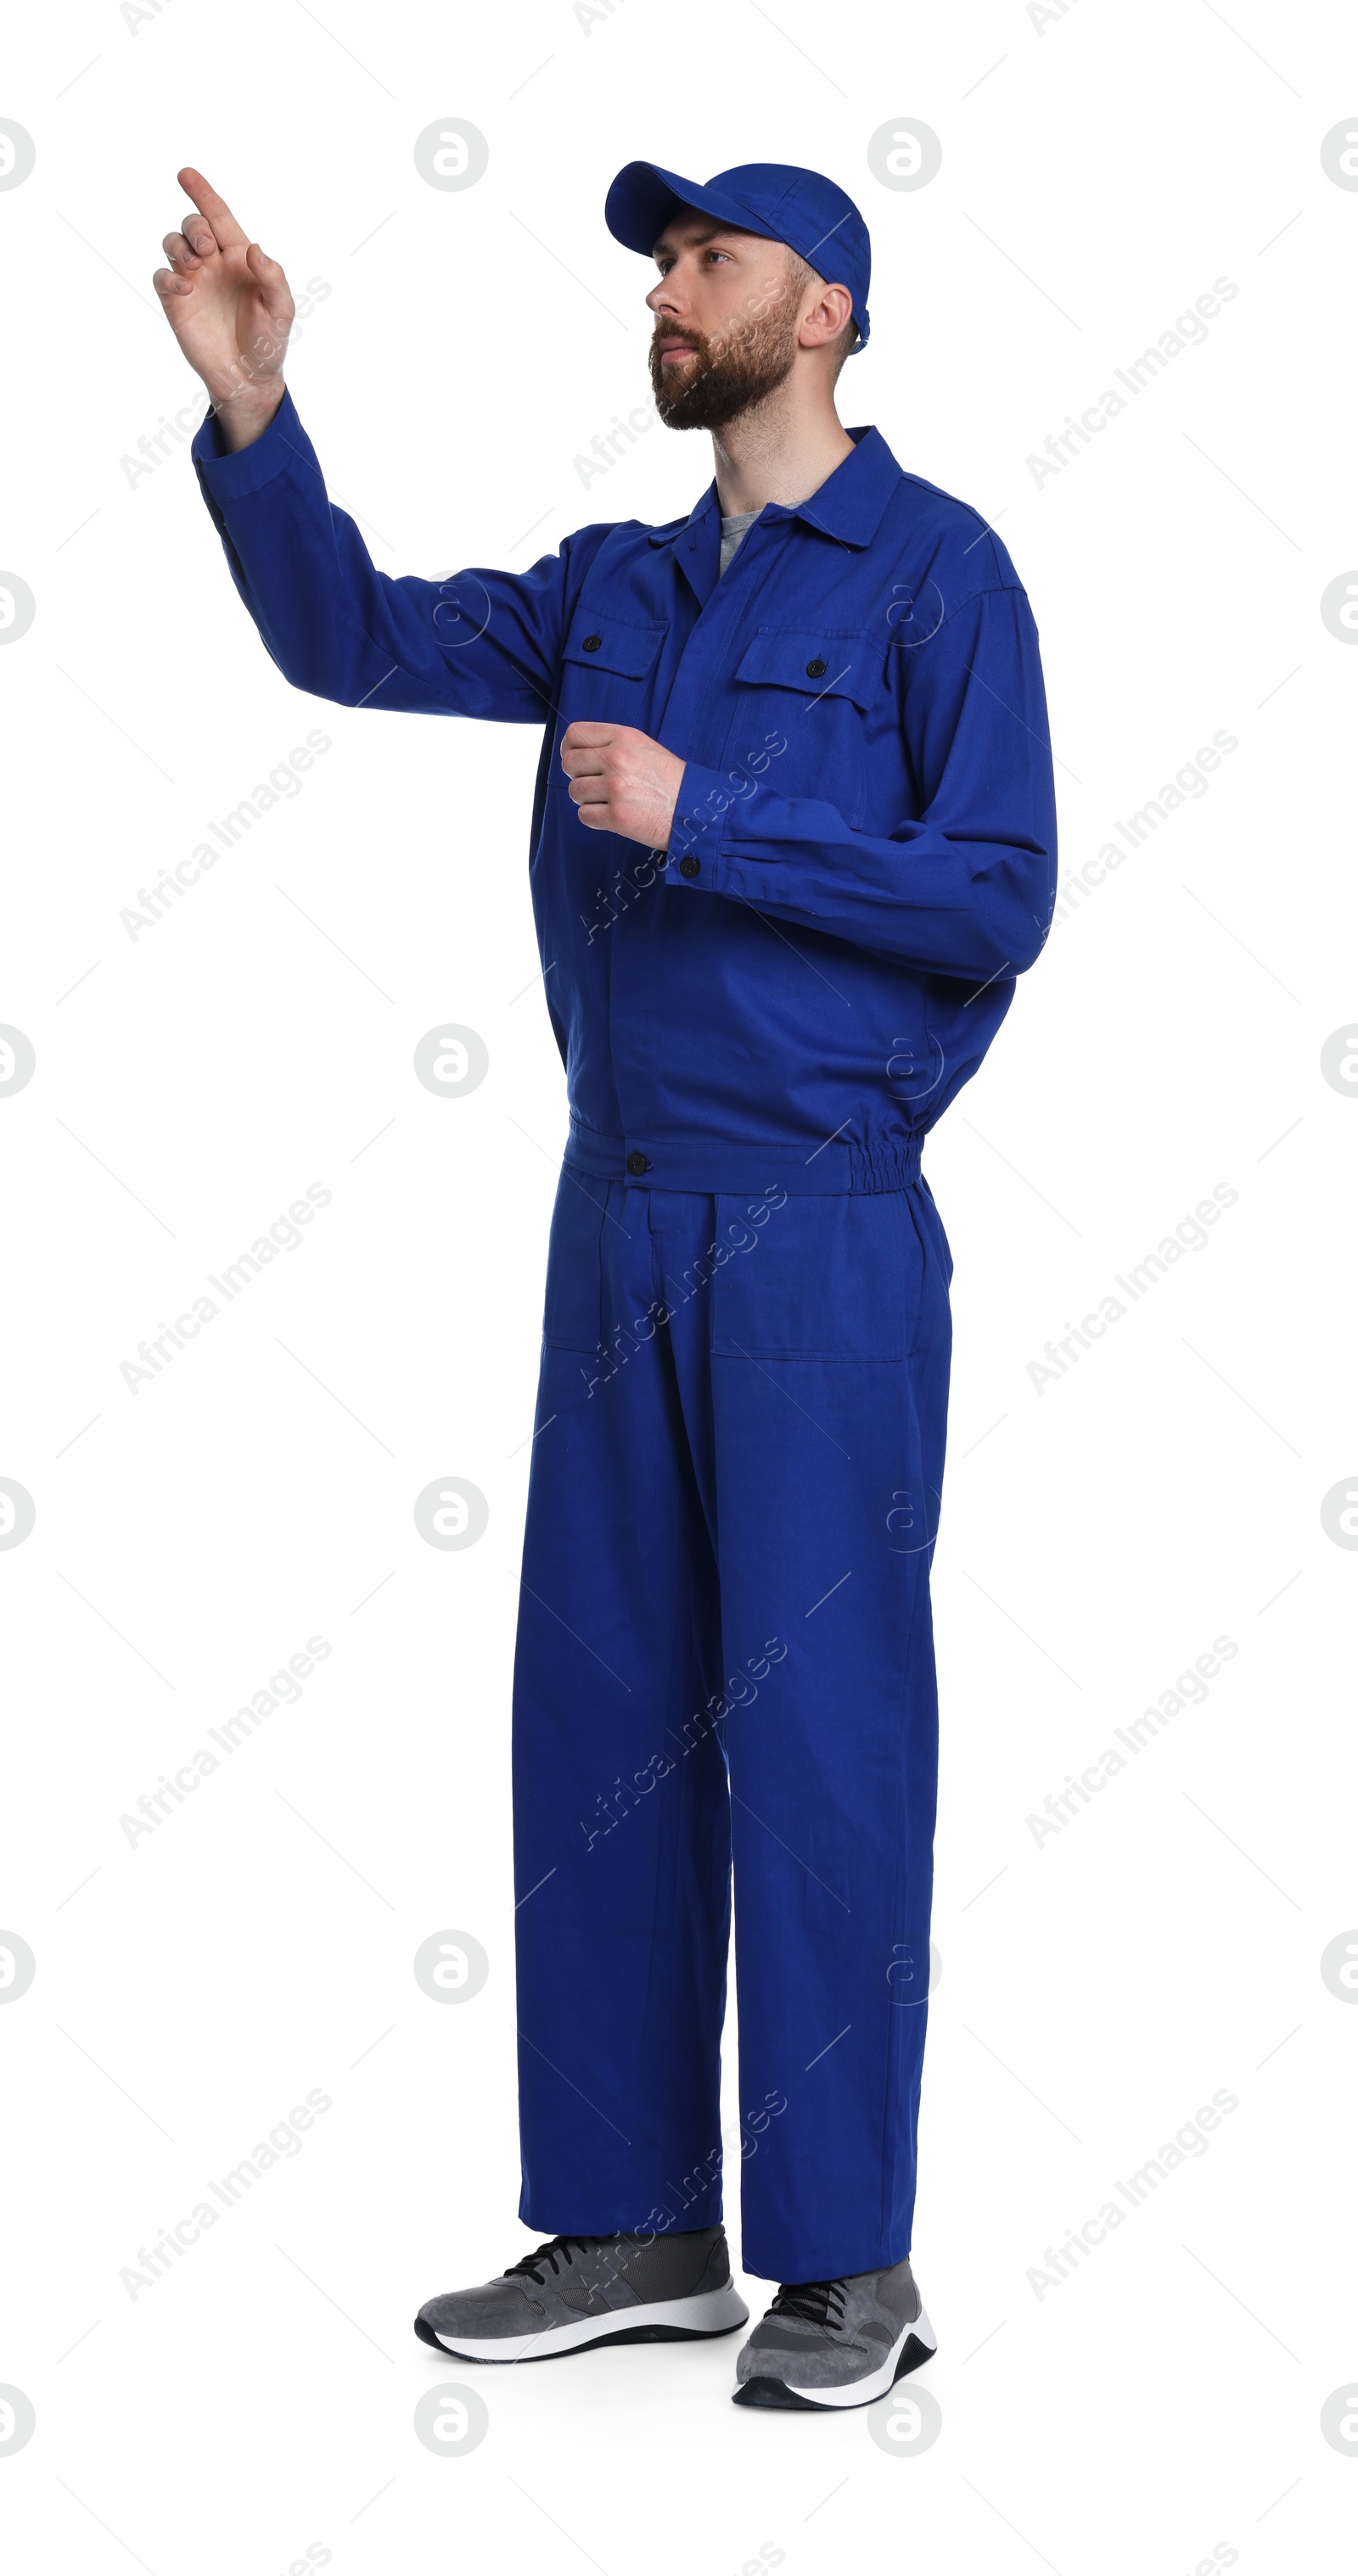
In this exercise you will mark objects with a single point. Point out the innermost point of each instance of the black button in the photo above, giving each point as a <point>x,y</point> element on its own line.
<point>593,642</point>
<point>637,1163</point>
<point>815,670</point>
<point>688,867</point>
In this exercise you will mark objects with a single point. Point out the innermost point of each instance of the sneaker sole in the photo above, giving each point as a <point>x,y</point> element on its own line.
<point>693,2320</point>
<point>917,2344</point>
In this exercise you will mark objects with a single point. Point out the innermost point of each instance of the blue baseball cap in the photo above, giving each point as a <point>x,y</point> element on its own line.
<point>798,207</point>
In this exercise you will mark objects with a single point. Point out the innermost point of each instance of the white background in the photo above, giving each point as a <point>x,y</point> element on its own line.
<point>1097,175</point>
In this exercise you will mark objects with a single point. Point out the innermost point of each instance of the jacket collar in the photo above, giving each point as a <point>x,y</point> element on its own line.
<point>849,505</point>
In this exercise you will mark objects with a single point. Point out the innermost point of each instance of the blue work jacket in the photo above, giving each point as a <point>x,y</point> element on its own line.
<point>864,852</point>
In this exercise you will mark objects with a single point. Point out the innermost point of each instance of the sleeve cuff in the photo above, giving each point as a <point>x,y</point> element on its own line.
<point>231,477</point>
<point>697,834</point>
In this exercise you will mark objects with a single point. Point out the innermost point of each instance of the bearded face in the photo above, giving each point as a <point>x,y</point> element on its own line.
<point>729,370</point>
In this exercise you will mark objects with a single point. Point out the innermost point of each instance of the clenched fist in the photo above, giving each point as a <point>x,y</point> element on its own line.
<point>621,781</point>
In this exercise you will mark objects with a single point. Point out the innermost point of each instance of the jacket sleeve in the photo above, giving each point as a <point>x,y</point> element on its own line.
<point>967,889</point>
<point>478,644</point>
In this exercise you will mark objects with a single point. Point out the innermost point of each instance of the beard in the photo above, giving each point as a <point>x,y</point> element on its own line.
<point>731,372</point>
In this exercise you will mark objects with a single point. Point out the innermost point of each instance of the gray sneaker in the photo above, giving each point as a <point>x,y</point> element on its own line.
<point>579,2291</point>
<point>836,2343</point>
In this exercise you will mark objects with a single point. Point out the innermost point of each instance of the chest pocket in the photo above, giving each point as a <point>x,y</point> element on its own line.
<point>606,676</point>
<point>803,696</point>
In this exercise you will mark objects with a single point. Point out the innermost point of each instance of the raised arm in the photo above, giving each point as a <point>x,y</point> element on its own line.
<point>482,643</point>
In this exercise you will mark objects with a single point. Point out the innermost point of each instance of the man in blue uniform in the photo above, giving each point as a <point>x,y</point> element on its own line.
<point>792,841</point>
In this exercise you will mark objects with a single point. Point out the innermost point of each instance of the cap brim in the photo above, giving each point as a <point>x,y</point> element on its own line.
<point>643,197</point>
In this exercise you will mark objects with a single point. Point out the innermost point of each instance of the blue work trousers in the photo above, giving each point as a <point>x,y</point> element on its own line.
<point>725,1672</point>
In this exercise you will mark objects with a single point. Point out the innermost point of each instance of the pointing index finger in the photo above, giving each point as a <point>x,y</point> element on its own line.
<point>219,215</point>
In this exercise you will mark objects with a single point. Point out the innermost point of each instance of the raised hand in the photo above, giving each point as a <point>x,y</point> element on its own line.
<point>230,309</point>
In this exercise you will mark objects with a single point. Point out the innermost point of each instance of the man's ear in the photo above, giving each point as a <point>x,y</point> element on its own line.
<point>827,317</point>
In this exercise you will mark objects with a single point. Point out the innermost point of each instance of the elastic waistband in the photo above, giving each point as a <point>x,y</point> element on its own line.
<point>836,1169</point>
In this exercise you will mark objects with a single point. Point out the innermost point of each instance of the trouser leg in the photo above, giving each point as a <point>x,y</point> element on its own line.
<point>621,1819</point>
<point>829,1372</point>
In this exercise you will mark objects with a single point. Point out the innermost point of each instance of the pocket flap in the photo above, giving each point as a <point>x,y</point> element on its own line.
<point>610,644</point>
<point>820,663</point>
